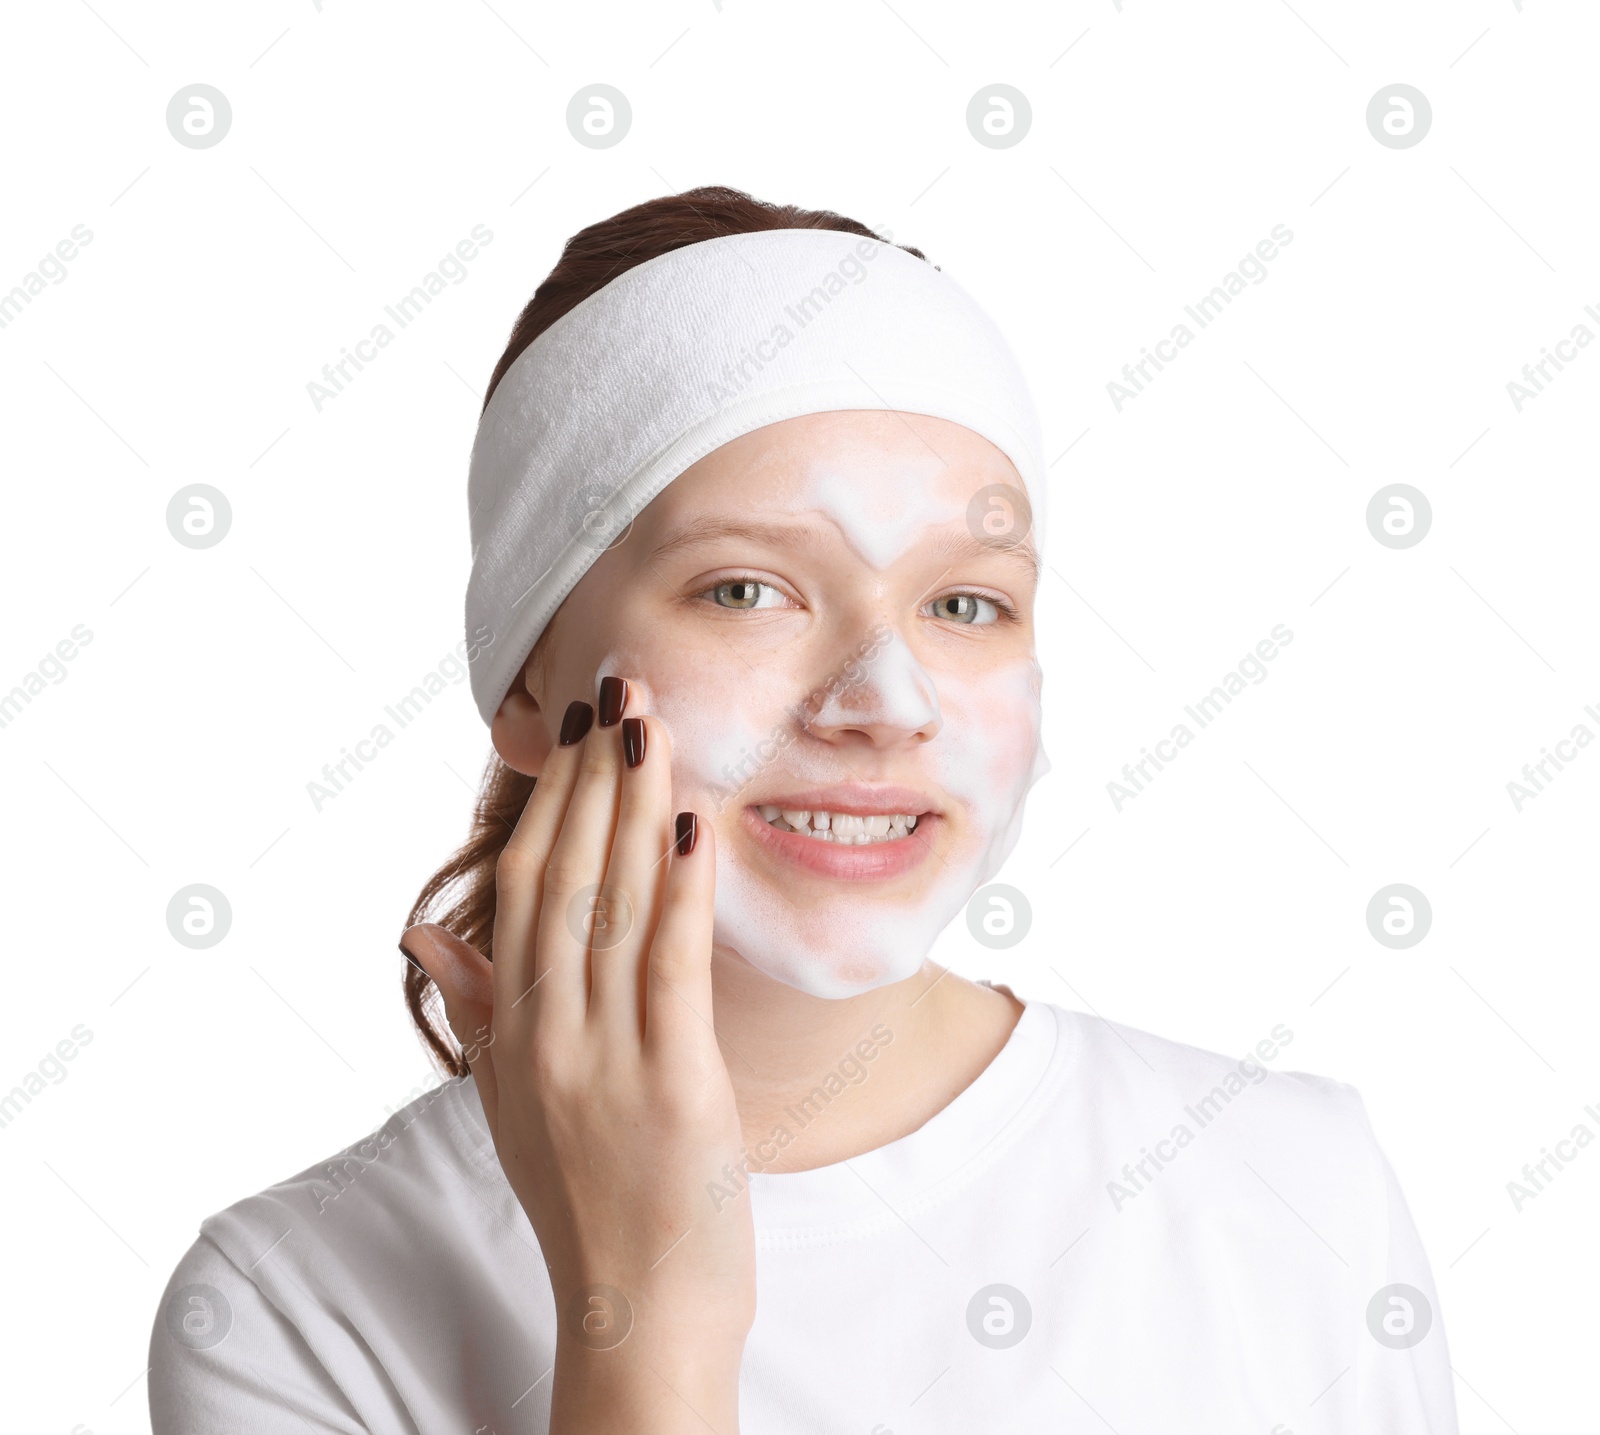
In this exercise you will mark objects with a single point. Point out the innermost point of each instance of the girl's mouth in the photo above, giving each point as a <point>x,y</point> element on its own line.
<point>853,846</point>
<point>846,828</point>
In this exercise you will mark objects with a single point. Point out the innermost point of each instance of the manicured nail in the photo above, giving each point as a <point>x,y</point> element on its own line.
<point>688,831</point>
<point>633,741</point>
<point>576,723</point>
<point>613,698</point>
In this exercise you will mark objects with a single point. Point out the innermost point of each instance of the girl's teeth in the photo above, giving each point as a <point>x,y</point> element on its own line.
<point>845,828</point>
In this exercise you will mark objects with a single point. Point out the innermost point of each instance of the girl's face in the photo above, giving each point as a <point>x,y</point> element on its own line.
<point>822,619</point>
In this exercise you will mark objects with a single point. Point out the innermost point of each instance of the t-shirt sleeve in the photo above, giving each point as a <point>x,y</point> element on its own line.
<point>1403,1377</point>
<point>223,1357</point>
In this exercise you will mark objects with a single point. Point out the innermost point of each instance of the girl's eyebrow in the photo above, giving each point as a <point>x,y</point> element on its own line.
<point>950,545</point>
<point>957,546</point>
<point>712,530</point>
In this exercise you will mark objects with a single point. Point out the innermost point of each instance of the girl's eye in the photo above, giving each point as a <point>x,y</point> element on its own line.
<point>745,593</point>
<point>967,608</point>
<point>748,594</point>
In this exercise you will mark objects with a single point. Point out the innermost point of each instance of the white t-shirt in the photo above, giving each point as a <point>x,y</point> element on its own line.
<point>996,1270</point>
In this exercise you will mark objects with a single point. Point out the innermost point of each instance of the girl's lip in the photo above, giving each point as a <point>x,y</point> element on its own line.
<point>873,861</point>
<point>860,798</point>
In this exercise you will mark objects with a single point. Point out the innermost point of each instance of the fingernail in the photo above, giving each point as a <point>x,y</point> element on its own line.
<point>576,723</point>
<point>633,741</point>
<point>688,831</point>
<point>613,698</point>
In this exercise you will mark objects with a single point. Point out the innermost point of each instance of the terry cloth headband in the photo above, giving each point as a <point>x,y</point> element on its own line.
<point>682,354</point>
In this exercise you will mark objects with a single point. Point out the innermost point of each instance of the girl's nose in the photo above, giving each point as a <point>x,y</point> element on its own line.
<point>886,694</point>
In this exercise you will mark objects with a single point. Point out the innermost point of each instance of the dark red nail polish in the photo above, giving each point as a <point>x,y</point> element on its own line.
<point>613,699</point>
<point>633,741</point>
<point>688,831</point>
<point>576,722</point>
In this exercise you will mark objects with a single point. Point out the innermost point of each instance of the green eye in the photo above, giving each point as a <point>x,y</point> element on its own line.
<point>738,593</point>
<point>965,608</point>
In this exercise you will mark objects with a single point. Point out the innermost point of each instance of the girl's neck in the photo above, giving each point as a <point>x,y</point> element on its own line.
<point>820,1081</point>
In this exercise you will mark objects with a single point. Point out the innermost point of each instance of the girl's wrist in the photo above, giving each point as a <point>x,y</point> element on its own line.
<point>669,1313</point>
<point>661,1385</point>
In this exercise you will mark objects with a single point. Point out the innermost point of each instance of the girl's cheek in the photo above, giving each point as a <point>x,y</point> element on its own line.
<point>720,741</point>
<point>727,734</point>
<point>990,751</point>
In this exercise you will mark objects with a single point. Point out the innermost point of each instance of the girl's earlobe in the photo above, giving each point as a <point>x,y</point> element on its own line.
<point>518,731</point>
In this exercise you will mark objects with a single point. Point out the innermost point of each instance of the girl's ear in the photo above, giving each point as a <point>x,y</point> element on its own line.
<point>518,731</point>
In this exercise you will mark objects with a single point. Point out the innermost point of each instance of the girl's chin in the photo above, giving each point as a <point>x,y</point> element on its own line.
<point>801,910</point>
<point>840,981</point>
<point>827,950</point>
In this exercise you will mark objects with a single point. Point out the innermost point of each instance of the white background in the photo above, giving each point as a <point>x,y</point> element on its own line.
<point>1229,497</point>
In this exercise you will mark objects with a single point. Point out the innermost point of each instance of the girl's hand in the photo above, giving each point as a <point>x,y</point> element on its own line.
<point>591,1042</point>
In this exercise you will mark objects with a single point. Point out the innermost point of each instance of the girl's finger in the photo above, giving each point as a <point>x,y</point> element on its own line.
<point>573,904</point>
<point>678,980</point>
<point>637,869</point>
<point>465,979</point>
<point>519,873</point>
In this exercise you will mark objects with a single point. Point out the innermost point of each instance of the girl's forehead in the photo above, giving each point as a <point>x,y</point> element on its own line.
<point>880,521</point>
<point>898,473</point>
<point>881,506</point>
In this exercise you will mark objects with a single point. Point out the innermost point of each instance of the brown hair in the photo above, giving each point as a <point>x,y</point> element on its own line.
<point>460,896</point>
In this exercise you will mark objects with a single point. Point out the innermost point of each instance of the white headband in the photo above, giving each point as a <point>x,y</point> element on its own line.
<point>684,353</point>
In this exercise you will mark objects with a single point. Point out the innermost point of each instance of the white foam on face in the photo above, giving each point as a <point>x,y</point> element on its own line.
<point>735,740</point>
<point>896,694</point>
<point>881,525</point>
